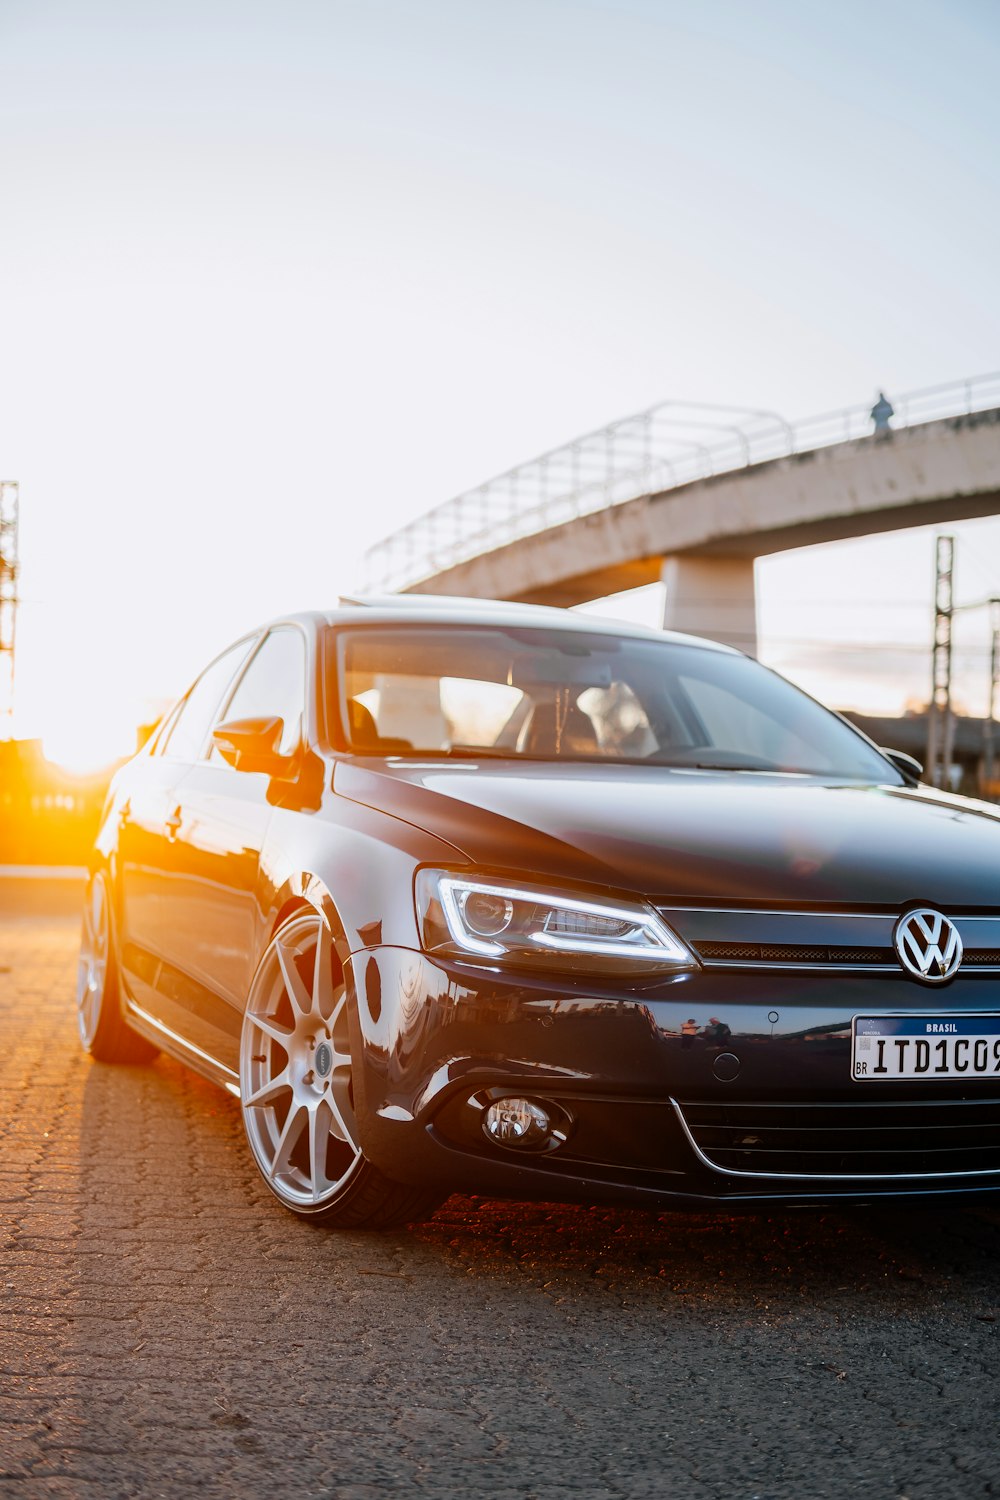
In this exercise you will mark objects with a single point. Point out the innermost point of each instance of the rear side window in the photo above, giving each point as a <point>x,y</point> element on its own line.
<point>190,728</point>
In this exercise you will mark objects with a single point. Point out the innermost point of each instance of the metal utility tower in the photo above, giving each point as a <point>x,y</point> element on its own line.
<point>989,755</point>
<point>8,599</point>
<point>940,724</point>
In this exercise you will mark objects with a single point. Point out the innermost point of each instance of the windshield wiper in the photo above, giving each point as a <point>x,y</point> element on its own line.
<point>731,765</point>
<point>494,752</point>
<point>475,752</point>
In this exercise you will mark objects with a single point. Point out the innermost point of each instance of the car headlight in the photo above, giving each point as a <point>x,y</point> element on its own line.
<point>485,919</point>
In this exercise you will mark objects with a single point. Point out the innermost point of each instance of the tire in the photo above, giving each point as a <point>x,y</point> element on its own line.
<point>297,1089</point>
<point>102,1027</point>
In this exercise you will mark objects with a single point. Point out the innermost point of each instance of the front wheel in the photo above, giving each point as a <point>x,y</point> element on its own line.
<point>297,1089</point>
<point>102,1027</point>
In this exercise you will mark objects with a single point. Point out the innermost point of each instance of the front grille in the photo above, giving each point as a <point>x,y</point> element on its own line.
<point>792,953</point>
<point>941,1138</point>
<point>749,937</point>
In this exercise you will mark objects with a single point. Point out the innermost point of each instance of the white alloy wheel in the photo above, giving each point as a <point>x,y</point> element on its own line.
<point>95,950</point>
<point>102,1027</point>
<point>295,1070</point>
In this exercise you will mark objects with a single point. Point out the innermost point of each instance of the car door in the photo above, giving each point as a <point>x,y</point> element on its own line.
<point>211,903</point>
<point>147,825</point>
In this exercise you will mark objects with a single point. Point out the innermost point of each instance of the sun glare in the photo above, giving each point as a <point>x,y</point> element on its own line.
<point>84,749</point>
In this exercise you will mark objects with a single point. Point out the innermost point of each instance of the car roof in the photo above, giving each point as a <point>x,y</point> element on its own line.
<point>443,609</point>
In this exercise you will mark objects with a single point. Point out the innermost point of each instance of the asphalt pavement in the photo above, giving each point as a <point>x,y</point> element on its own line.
<point>166,1329</point>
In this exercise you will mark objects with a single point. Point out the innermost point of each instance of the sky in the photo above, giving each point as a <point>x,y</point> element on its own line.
<point>275,278</point>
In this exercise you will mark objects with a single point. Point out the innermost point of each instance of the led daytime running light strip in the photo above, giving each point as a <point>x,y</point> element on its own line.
<point>659,944</point>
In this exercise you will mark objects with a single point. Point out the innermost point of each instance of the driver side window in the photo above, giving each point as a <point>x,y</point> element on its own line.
<point>273,686</point>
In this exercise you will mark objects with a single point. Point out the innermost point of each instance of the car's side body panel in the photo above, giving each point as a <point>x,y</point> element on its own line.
<point>145,798</point>
<point>211,892</point>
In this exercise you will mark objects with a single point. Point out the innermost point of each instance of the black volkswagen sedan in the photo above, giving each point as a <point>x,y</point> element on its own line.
<point>466,896</point>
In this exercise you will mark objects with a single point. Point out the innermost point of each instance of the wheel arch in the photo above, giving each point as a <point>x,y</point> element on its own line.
<point>305,891</point>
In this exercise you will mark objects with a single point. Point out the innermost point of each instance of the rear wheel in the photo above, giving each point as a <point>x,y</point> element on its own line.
<point>297,1089</point>
<point>103,1030</point>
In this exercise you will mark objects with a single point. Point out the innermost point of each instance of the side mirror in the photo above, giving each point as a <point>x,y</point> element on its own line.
<point>910,768</point>
<point>252,745</point>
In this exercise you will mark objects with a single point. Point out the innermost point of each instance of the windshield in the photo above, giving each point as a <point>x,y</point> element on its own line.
<point>530,694</point>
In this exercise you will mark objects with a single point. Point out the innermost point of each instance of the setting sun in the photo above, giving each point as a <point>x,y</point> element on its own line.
<point>83,746</point>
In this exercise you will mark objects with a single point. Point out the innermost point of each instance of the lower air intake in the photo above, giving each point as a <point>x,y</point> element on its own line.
<point>942,1138</point>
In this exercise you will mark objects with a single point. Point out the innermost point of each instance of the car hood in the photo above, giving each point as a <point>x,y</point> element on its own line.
<point>698,834</point>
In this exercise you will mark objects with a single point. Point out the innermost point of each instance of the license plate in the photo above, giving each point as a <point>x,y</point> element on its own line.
<point>897,1049</point>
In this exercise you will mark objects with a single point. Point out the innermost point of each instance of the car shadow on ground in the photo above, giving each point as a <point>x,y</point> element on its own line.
<point>184,1330</point>
<point>159,1145</point>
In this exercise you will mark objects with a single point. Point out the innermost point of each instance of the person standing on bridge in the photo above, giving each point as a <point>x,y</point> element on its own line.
<point>880,414</point>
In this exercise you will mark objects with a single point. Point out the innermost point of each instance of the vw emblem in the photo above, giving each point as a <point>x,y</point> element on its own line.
<point>928,945</point>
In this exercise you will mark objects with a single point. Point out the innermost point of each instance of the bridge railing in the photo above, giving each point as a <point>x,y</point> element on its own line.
<point>660,449</point>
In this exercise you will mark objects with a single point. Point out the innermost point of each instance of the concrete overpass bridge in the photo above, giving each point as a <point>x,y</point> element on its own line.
<point>691,495</point>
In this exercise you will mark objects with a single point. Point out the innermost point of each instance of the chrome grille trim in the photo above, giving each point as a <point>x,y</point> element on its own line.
<point>798,968</point>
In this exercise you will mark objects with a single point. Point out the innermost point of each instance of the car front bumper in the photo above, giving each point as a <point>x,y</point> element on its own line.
<point>705,1088</point>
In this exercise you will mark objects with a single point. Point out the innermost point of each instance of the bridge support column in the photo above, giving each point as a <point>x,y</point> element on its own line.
<point>712,596</point>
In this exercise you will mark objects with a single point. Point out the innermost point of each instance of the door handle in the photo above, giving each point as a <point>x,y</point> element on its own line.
<point>173,824</point>
<point>124,812</point>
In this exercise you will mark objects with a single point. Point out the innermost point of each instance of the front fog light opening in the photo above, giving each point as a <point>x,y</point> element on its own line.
<point>523,1125</point>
